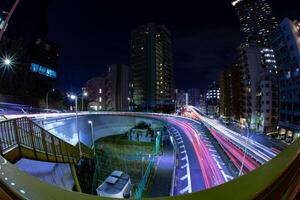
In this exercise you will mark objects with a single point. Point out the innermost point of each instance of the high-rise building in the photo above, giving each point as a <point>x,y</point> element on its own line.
<point>212,99</point>
<point>258,87</point>
<point>96,93</point>
<point>230,95</point>
<point>256,20</point>
<point>152,67</point>
<point>194,97</point>
<point>225,95</point>
<point>267,96</point>
<point>286,44</point>
<point>249,60</point>
<point>44,62</point>
<point>119,88</point>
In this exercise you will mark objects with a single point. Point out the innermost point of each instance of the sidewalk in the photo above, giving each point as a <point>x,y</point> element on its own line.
<point>162,181</point>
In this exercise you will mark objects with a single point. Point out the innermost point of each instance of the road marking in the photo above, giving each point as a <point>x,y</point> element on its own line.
<point>184,158</point>
<point>212,150</point>
<point>219,166</point>
<point>184,177</point>
<point>226,177</point>
<point>184,190</point>
<point>184,166</point>
<point>215,155</point>
<point>180,142</point>
<point>209,145</point>
<point>181,146</point>
<point>184,151</point>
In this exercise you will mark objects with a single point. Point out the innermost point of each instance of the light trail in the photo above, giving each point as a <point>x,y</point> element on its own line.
<point>234,143</point>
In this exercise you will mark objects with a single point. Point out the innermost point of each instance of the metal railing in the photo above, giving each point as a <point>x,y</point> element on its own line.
<point>21,137</point>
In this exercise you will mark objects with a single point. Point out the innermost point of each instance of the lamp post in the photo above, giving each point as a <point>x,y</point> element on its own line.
<point>74,97</point>
<point>8,18</point>
<point>47,98</point>
<point>84,94</point>
<point>93,136</point>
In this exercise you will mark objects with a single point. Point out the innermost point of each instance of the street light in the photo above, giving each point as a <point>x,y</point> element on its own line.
<point>7,61</point>
<point>74,97</point>
<point>47,98</point>
<point>93,136</point>
<point>84,94</point>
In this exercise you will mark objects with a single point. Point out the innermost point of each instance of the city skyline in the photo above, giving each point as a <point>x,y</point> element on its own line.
<point>109,38</point>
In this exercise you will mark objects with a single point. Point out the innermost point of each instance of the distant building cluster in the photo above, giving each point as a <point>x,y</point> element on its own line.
<point>260,89</point>
<point>147,84</point>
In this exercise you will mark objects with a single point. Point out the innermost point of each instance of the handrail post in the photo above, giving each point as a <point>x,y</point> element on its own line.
<point>53,147</point>
<point>44,144</point>
<point>31,137</point>
<point>61,152</point>
<point>16,133</point>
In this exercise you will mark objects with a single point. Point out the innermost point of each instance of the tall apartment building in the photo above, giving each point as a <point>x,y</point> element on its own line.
<point>250,67</point>
<point>286,44</point>
<point>256,20</point>
<point>96,90</point>
<point>152,67</point>
<point>118,88</point>
<point>258,87</point>
<point>267,96</point>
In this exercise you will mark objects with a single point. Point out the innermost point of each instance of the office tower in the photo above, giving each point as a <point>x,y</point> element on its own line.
<point>118,88</point>
<point>152,67</point>
<point>256,20</point>
<point>286,45</point>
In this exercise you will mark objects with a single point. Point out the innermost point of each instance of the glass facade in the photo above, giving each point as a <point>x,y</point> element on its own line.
<point>42,70</point>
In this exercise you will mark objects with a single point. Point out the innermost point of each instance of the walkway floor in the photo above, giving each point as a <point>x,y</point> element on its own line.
<point>162,181</point>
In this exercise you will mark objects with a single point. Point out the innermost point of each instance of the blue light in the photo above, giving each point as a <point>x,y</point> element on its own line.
<point>42,70</point>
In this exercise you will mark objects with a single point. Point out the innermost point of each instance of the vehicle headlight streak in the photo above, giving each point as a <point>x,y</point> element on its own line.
<point>259,152</point>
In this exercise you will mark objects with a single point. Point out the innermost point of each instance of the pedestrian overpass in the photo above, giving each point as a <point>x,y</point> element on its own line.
<point>23,138</point>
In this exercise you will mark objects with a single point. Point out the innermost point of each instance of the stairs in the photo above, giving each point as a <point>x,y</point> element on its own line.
<point>22,138</point>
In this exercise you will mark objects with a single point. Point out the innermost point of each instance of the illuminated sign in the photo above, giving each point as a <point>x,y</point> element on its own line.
<point>42,70</point>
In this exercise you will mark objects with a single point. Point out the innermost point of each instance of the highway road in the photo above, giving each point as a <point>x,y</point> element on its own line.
<point>246,153</point>
<point>200,163</point>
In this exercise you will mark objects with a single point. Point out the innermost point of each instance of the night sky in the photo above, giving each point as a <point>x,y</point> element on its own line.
<point>93,34</point>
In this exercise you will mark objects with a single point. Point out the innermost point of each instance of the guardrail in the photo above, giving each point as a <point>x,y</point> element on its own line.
<point>21,137</point>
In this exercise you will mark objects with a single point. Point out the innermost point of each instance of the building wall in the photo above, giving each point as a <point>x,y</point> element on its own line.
<point>96,93</point>
<point>118,88</point>
<point>256,20</point>
<point>152,67</point>
<point>286,43</point>
<point>212,99</point>
<point>251,67</point>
